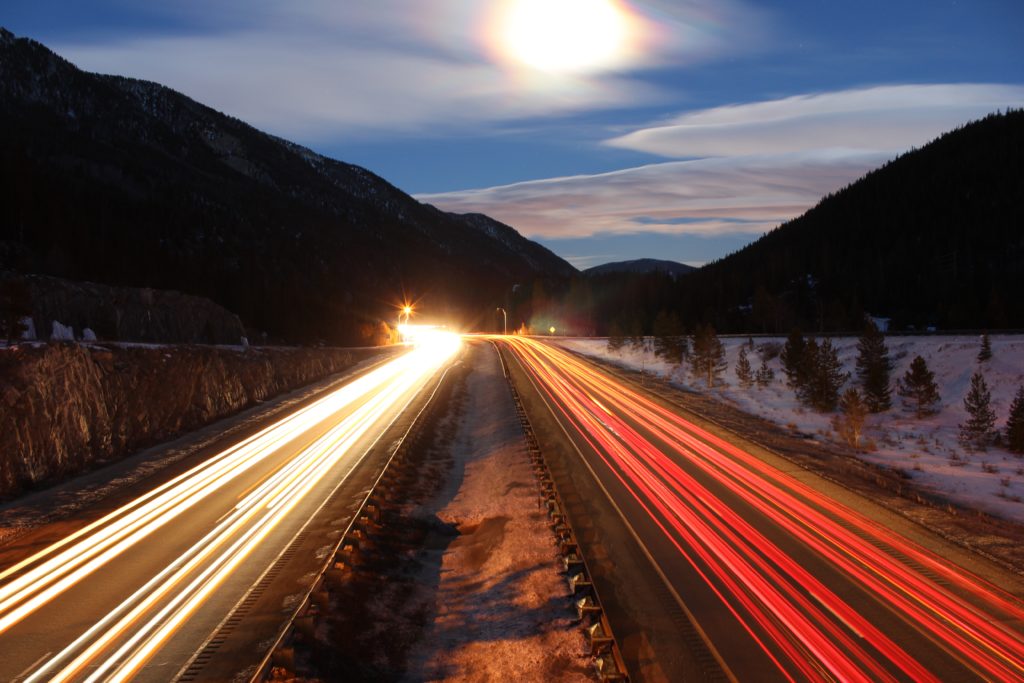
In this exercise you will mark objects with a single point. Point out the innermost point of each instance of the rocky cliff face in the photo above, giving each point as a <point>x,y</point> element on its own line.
<point>63,407</point>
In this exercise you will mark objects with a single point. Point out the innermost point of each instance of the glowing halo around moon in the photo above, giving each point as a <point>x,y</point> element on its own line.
<point>564,36</point>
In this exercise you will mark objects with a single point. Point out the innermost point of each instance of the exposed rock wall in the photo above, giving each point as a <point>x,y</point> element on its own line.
<point>65,406</point>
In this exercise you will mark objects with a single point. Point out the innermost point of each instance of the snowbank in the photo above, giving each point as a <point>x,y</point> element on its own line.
<point>926,449</point>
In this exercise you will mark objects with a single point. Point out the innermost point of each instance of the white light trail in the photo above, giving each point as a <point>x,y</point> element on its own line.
<point>210,561</point>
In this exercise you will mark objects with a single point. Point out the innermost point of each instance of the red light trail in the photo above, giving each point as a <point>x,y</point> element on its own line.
<point>747,528</point>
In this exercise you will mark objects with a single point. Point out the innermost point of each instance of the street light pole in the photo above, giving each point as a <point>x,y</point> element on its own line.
<point>405,310</point>
<point>504,317</point>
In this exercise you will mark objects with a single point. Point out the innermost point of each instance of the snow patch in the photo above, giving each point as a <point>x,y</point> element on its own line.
<point>30,329</point>
<point>62,332</point>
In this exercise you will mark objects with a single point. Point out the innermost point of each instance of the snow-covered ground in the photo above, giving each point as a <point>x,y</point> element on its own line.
<point>502,605</point>
<point>926,449</point>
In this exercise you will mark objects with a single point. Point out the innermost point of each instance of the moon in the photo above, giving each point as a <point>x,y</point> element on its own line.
<point>564,36</point>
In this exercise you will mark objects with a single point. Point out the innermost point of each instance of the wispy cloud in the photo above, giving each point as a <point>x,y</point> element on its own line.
<point>326,69</point>
<point>749,194</point>
<point>307,89</point>
<point>762,163</point>
<point>886,118</point>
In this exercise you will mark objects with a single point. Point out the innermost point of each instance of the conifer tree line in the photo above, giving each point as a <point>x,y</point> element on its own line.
<point>815,373</point>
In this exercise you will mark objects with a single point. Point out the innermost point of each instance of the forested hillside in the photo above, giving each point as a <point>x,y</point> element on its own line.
<point>125,182</point>
<point>935,238</point>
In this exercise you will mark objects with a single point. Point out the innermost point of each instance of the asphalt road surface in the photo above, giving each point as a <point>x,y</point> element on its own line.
<point>783,582</point>
<point>137,593</point>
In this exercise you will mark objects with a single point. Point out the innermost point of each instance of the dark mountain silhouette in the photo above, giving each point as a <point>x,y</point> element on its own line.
<point>934,238</point>
<point>125,182</point>
<point>642,265</point>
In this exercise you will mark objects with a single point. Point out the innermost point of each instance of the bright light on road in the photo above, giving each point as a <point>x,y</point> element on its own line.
<point>430,337</point>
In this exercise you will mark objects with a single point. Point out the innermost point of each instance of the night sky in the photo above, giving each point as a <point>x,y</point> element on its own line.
<point>604,129</point>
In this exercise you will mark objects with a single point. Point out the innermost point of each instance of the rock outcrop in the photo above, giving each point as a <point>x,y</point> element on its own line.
<point>64,407</point>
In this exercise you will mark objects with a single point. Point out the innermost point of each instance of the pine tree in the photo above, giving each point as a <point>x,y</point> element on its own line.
<point>803,383</point>
<point>985,352</point>
<point>793,357</point>
<point>707,357</point>
<point>918,385</point>
<point>636,334</point>
<point>830,376</point>
<point>873,368</point>
<point>765,375</point>
<point>750,343</point>
<point>1015,423</point>
<point>616,337</point>
<point>825,376</point>
<point>744,373</point>
<point>668,337</point>
<point>979,428</point>
<point>853,412</point>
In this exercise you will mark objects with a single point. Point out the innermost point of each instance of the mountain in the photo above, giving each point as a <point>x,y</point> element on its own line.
<point>934,238</point>
<point>642,266</point>
<point>126,182</point>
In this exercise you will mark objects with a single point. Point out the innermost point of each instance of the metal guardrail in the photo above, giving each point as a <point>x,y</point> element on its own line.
<point>280,655</point>
<point>607,657</point>
<point>834,334</point>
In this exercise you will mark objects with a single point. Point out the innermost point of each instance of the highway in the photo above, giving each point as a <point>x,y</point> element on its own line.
<point>136,593</point>
<point>783,582</point>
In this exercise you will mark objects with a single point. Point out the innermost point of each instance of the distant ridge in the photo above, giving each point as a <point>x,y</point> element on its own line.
<point>641,266</point>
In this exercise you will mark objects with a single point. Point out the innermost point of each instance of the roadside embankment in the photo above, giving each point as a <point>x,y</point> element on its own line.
<point>67,407</point>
